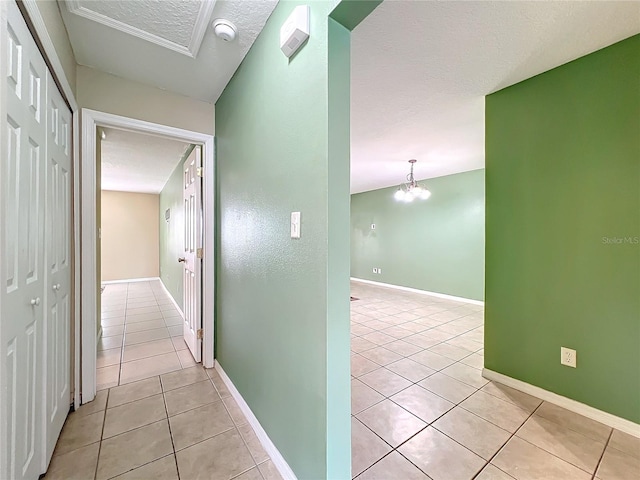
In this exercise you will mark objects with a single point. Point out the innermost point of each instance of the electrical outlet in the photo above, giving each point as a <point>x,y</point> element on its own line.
<point>375,270</point>
<point>568,357</point>
<point>379,271</point>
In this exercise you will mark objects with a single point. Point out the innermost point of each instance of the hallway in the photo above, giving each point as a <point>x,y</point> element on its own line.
<point>141,334</point>
<point>421,408</point>
<point>181,425</point>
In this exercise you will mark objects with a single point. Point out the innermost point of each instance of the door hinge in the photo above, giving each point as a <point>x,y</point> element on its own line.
<point>200,171</point>
<point>199,253</point>
<point>200,334</point>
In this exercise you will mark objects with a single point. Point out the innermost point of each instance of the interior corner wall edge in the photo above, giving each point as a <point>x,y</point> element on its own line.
<point>50,13</point>
<point>563,229</point>
<point>129,235</point>
<point>435,245</point>
<point>272,295</point>
<point>108,93</point>
<point>172,235</point>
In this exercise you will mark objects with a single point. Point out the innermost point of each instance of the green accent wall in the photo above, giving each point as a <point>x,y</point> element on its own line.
<point>563,229</point>
<point>282,305</point>
<point>172,233</point>
<point>435,244</point>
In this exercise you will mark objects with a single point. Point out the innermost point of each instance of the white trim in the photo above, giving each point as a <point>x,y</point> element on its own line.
<point>88,263</point>
<point>130,280</point>
<point>277,458</point>
<point>421,292</point>
<point>197,34</point>
<point>50,51</point>
<point>77,389</point>
<point>173,300</point>
<point>201,25</point>
<point>608,419</point>
<point>208,267</point>
<point>90,120</point>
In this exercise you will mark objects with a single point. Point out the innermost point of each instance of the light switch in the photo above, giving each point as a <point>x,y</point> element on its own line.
<point>295,224</point>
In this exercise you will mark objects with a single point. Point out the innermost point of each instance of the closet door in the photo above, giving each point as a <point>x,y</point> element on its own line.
<point>22,291</point>
<point>58,269</point>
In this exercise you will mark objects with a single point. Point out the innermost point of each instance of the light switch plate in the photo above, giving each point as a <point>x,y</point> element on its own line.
<point>295,224</point>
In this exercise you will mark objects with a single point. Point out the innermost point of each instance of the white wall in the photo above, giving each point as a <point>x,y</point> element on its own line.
<point>130,235</point>
<point>107,93</point>
<point>50,12</point>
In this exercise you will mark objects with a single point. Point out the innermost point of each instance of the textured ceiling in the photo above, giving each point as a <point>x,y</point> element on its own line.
<point>150,16</point>
<point>114,51</point>
<point>420,71</point>
<point>135,162</point>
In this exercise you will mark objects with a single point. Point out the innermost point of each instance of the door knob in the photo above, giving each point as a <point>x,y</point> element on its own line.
<point>182,259</point>
<point>56,287</point>
<point>35,301</point>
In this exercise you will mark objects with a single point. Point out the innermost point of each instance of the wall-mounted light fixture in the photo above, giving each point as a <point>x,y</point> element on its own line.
<point>412,190</point>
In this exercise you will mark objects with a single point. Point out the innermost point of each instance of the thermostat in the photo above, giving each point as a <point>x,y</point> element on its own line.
<point>295,30</point>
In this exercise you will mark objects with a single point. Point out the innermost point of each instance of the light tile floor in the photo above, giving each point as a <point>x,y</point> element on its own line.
<point>180,425</point>
<point>421,408</point>
<point>141,334</point>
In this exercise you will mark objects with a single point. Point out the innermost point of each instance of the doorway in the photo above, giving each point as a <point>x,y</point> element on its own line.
<point>204,144</point>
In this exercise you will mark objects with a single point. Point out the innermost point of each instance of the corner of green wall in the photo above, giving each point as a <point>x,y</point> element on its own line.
<point>563,229</point>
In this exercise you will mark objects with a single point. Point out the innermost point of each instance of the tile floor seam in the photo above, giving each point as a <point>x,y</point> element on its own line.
<point>573,429</point>
<point>552,454</point>
<point>104,420</point>
<point>409,460</point>
<point>139,466</point>
<point>206,439</point>
<point>166,411</point>
<point>182,386</point>
<point>192,409</point>
<point>606,445</point>
<point>507,441</point>
<point>150,356</point>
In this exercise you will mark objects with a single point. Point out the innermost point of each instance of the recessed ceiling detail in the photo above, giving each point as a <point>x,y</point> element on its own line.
<point>147,19</point>
<point>164,63</point>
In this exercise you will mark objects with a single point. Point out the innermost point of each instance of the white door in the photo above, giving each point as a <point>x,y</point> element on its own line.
<point>22,291</point>
<point>192,259</point>
<point>58,269</point>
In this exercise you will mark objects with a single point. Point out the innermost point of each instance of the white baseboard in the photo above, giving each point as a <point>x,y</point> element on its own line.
<point>608,419</point>
<point>277,458</point>
<point>421,292</point>
<point>130,280</point>
<point>173,300</point>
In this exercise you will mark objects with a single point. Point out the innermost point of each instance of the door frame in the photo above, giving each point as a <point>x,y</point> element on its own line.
<point>91,119</point>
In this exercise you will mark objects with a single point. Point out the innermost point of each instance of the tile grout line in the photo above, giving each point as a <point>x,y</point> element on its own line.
<point>606,445</point>
<point>166,411</point>
<point>476,389</point>
<point>488,462</point>
<point>104,420</point>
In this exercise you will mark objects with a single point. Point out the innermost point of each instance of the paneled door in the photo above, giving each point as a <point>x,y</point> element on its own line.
<point>23,302</point>
<point>192,259</point>
<point>57,386</point>
<point>35,249</point>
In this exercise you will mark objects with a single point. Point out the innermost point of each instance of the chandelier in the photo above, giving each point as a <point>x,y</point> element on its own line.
<point>410,191</point>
